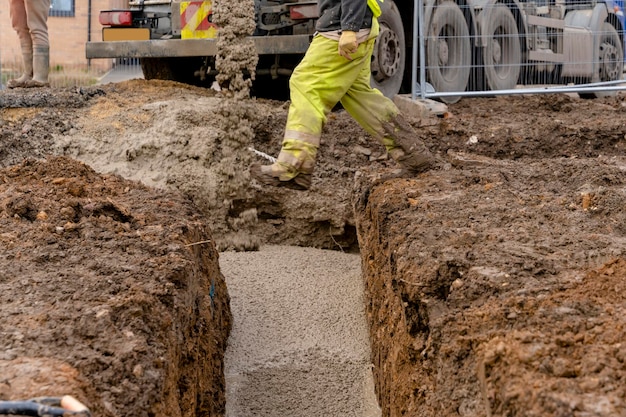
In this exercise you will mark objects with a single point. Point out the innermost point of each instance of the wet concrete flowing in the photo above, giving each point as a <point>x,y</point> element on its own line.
<point>236,64</point>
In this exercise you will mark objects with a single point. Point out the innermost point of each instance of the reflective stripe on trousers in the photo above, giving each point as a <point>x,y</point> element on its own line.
<point>322,79</point>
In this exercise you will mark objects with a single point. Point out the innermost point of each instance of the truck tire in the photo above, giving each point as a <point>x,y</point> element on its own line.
<point>389,56</point>
<point>448,50</point>
<point>502,56</point>
<point>610,55</point>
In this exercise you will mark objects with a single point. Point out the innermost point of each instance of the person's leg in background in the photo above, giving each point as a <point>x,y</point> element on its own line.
<point>37,17</point>
<point>17,12</point>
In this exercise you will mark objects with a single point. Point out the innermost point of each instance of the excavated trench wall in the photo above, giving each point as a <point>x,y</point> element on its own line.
<point>110,292</point>
<point>492,293</point>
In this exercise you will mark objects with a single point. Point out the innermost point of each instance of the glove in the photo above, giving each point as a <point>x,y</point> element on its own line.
<point>347,44</point>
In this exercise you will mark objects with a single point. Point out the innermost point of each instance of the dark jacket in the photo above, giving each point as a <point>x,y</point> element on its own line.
<point>343,15</point>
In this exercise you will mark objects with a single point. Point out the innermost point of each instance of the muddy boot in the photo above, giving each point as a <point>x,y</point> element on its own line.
<point>415,162</point>
<point>27,75</point>
<point>41,67</point>
<point>410,152</point>
<point>265,174</point>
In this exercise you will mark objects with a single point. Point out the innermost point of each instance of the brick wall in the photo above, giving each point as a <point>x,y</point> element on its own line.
<point>68,35</point>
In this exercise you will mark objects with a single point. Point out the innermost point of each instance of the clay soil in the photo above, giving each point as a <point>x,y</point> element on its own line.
<point>495,284</point>
<point>107,294</point>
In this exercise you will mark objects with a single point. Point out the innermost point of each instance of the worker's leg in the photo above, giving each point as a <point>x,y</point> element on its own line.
<point>368,106</point>
<point>17,12</point>
<point>317,84</point>
<point>380,117</point>
<point>37,15</point>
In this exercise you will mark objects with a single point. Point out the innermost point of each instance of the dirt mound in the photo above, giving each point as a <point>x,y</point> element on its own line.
<point>542,126</point>
<point>170,136</point>
<point>110,291</point>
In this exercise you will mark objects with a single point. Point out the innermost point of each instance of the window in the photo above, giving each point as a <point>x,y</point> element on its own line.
<point>63,8</point>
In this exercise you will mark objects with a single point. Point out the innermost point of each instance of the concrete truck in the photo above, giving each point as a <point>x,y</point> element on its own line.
<point>468,45</point>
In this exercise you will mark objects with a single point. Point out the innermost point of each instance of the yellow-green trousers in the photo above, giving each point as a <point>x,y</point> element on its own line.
<point>322,79</point>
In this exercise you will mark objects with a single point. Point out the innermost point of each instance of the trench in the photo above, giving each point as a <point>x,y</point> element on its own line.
<point>299,344</point>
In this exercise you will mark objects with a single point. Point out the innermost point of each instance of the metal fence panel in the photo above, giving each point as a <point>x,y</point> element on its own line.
<point>487,48</point>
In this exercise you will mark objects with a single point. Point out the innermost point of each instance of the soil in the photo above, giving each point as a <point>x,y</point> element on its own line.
<point>494,285</point>
<point>496,288</point>
<point>110,292</point>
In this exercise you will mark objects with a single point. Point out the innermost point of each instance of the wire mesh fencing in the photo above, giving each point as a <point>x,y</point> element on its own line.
<point>475,48</point>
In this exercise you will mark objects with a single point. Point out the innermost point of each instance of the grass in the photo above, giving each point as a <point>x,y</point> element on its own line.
<point>61,76</point>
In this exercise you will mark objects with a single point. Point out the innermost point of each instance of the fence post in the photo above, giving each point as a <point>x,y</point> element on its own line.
<point>422,43</point>
<point>414,53</point>
<point>1,85</point>
<point>418,39</point>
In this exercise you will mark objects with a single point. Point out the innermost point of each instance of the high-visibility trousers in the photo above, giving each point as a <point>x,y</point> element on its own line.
<point>29,18</point>
<point>322,79</point>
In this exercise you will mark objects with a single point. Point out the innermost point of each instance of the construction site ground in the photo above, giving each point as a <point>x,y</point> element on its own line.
<point>494,285</point>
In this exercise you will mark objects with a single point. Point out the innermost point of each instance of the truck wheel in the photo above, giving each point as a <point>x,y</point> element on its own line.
<point>610,56</point>
<point>389,55</point>
<point>503,50</point>
<point>448,50</point>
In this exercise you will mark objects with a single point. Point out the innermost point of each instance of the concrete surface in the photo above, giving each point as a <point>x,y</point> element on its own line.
<point>419,109</point>
<point>299,344</point>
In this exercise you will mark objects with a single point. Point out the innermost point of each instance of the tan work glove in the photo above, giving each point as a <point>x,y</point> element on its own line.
<point>347,44</point>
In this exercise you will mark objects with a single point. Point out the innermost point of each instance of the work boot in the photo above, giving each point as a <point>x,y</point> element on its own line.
<point>41,67</point>
<point>409,151</point>
<point>266,175</point>
<point>27,75</point>
<point>415,162</point>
